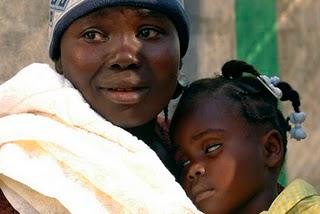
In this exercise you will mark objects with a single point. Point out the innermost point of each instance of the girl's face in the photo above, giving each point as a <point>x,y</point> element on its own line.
<point>223,168</point>
<point>124,61</point>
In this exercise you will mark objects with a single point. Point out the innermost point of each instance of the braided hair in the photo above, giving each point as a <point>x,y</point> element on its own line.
<point>257,104</point>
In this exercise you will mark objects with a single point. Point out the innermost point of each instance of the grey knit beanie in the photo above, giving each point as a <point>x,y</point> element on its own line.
<point>64,12</point>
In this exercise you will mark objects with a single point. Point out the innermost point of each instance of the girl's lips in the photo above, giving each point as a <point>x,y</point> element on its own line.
<point>125,96</point>
<point>203,195</point>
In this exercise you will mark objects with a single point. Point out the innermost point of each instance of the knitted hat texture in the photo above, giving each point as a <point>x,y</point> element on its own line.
<point>63,12</point>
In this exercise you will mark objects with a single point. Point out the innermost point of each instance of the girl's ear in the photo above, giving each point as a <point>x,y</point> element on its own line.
<point>273,149</point>
<point>58,66</point>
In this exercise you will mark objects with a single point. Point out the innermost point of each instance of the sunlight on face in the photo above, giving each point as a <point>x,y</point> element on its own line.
<point>127,74</point>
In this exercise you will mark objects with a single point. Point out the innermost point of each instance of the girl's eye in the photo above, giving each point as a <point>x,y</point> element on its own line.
<point>212,148</point>
<point>93,35</point>
<point>185,163</point>
<point>148,33</point>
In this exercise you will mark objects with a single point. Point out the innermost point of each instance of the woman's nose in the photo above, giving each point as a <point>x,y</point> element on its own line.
<point>124,53</point>
<point>195,170</point>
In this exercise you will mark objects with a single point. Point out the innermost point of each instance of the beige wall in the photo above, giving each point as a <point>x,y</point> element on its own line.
<point>299,39</point>
<point>213,37</point>
<point>23,34</point>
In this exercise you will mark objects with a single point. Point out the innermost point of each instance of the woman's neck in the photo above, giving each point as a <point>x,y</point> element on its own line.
<point>144,132</point>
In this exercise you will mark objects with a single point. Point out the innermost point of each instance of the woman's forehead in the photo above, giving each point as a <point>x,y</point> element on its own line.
<point>140,12</point>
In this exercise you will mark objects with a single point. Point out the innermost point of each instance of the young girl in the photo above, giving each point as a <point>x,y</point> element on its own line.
<point>61,146</point>
<point>231,141</point>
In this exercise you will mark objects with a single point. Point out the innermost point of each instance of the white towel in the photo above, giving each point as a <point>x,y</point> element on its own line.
<point>58,156</point>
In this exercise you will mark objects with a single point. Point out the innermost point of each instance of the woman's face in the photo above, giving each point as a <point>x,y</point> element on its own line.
<point>124,61</point>
<point>223,167</point>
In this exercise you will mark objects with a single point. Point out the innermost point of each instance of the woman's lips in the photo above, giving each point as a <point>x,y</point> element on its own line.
<point>126,96</point>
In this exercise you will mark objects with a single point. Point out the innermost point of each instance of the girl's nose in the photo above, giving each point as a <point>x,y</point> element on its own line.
<point>195,170</point>
<point>124,53</point>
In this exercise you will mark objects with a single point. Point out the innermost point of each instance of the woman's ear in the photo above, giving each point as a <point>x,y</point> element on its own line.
<point>178,91</point>
<point>179,87</point>
<point>180,64</point>
<point>58,66</point>
<point>273,149</point>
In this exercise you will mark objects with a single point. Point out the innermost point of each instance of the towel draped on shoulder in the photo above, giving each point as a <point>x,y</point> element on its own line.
<point>57,155</point>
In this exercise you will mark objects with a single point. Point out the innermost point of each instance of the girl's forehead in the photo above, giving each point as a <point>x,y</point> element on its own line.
<point>216,100</point>
<point>206,111</point>
<point>217,113</point>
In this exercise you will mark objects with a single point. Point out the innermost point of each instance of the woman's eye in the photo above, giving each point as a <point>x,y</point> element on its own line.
<point>212,148</point>
<point>93,36</point>
<point>148,33</point>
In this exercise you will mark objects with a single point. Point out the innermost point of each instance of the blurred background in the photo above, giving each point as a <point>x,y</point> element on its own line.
<point>280,37</point>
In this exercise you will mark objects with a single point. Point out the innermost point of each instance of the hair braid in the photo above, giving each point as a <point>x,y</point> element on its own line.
<point>289,94</point>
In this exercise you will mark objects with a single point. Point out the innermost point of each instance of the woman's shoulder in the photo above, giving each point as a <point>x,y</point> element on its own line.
<point>5,206</point>
<point>162,129</point>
